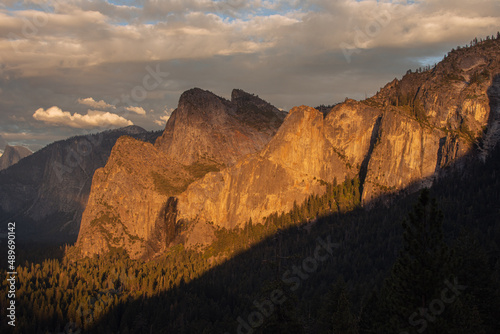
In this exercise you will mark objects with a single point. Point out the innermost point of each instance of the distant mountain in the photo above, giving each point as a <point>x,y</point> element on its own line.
<point>12,154</point>
<point>46,192</point>
<point>129,199</point>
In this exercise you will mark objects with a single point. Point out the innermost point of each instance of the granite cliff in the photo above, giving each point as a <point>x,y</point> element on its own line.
<point>206,127</point>
<point>433,118</point>
<point>127,196</point>
<point>225,162</point>
<point>308,151</point>
<point>400,139</point>
<point>130,206</point>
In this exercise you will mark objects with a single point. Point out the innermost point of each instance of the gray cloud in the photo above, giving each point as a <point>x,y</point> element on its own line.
<point>137,110</point>
<point>289,52</point>
<point>96,104</point>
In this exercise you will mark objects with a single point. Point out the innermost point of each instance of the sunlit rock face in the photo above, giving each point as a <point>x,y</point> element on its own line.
<point>129,196</point>
<point>224,162</point>
<point>412,130</point>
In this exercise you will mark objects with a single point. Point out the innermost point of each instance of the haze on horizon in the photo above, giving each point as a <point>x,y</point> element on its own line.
<point>79,66</point>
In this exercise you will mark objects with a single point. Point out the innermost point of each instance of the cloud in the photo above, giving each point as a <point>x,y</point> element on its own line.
<point>93,119</point>
<point>137,110</point>
<point>84,33</point>
<point>288,52</point>
<point>94,104</point>
<point>164,119</point>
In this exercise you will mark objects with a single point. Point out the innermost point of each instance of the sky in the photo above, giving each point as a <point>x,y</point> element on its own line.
<point>71,67</point>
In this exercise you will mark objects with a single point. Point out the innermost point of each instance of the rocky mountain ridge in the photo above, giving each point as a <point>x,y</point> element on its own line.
<point>307,152</point>
<point>404,136</point>
<point>436,117</point>
<point>129,201</point>
<point>409,133</point>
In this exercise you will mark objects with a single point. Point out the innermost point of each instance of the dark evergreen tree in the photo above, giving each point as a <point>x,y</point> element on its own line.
<point>420,273</point>
<point>481,301</point>
<point>373,315</point>
<point>337,316</point>
<point>283,317</point>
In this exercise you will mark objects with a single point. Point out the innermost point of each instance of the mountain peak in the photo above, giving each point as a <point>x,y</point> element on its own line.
<point>238,94</point>
<point>208,127</point>
<point>197,97</point>
<point>132,130</point>
<point>12,155</point>
<point>204,134</point>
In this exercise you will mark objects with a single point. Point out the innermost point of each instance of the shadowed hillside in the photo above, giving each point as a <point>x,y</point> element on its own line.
<point>180,292</point>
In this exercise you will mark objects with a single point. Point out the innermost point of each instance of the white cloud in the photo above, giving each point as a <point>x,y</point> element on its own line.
<point>159,122</point>
<point>93,119</point>
<point>164,119</point>
<point>94,104</point>
<point>137,110</point>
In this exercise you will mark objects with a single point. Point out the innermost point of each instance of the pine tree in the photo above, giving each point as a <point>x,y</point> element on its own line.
<point>336,315</point>
<point>283,319</point>
<point>373,315</point>
<point>279,315</point>
<point>421,269</point>
<point>480,300</point>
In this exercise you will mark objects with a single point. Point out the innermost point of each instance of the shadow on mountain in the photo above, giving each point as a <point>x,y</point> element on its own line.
<point>235,295</point>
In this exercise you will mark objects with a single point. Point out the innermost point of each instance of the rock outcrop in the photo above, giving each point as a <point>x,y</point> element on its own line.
<point>129,203</point>
<point>12,155</point>
<point>127,197</point>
